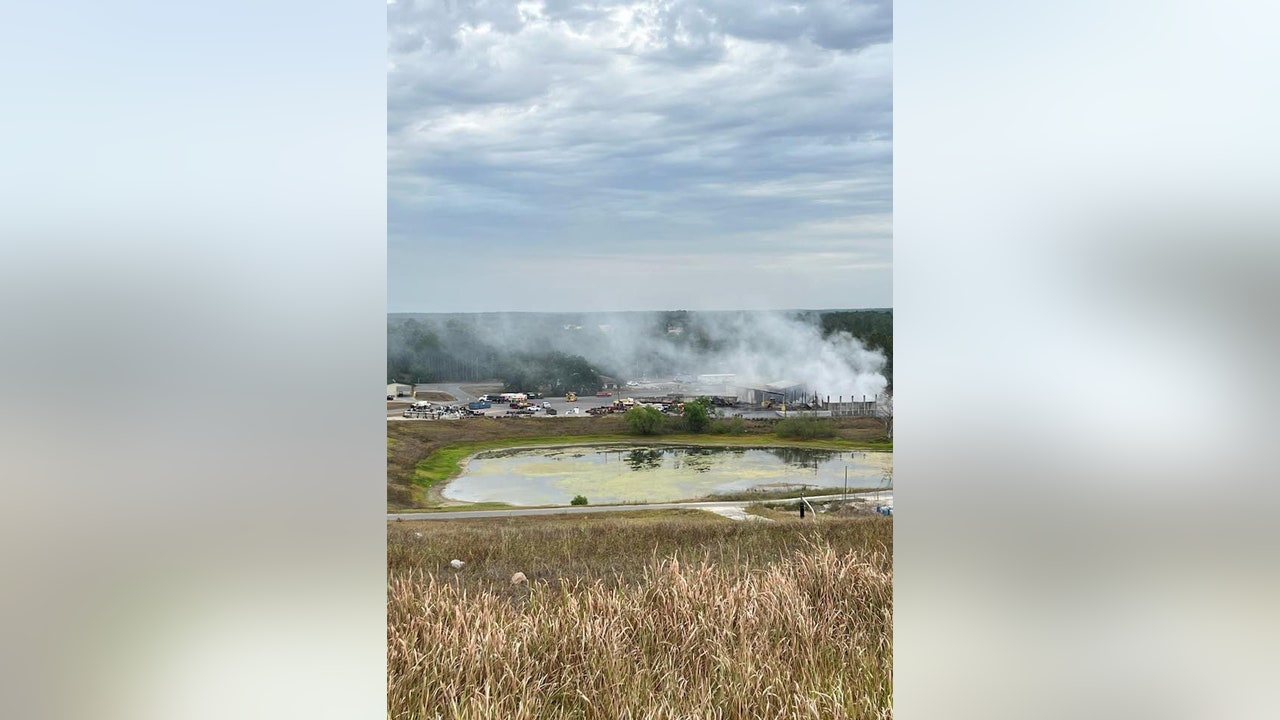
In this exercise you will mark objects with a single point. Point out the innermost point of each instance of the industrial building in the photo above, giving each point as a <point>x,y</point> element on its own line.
<point>780,391</point>
<point>862,406</point>
<point>399,390</point>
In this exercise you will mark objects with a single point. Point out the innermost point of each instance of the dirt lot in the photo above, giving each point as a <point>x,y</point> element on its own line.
<point>482,388</point>
<point>436,396</point>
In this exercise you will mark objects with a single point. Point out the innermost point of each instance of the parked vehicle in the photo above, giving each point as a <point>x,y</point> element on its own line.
<point>479,405</point>
<point>552,411</point>
<point>571,397</point>
<point>604,393</point>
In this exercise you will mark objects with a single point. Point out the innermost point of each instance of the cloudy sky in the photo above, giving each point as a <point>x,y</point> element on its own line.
<point>662,154</point>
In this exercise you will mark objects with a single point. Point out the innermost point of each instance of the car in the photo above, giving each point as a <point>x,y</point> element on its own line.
<point>391,397</point>
<point>604,393</point>
<point>546,404</point>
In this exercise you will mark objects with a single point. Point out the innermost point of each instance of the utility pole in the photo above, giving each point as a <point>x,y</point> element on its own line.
<point>845,498</point>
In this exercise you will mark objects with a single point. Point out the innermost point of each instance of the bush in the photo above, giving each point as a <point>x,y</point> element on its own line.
<point>806,428</point>
<point>578,500</point>
<point>644,420</point>
<point>733,426</point>
<point>698,414</point>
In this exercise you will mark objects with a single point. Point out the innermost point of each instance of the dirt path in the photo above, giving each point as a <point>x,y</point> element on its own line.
<point>719,508</point>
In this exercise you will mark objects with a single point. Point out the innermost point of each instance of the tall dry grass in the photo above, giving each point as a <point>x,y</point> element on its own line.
<point>797,626</point>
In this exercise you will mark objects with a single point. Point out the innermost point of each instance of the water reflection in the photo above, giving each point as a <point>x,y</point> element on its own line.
<point>644,459</point>
<point>803,458</point>
<point>608,474</point>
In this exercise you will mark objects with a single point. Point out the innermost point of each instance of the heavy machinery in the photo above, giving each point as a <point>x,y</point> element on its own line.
<point>571,397</point>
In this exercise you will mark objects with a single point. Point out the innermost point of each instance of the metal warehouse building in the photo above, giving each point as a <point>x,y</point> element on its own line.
<point>781,391</point>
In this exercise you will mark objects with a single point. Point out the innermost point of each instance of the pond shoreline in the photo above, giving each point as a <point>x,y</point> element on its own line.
<point>445,463</point>
<point>462,456</point>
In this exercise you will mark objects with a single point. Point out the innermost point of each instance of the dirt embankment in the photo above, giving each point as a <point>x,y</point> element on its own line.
<point>435,396</point>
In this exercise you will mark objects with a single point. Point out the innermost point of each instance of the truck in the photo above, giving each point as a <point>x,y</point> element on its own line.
<point>479,405</point>
<point>571,397</point>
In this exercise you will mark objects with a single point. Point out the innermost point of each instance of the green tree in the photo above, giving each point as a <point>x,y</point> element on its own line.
<point>644,420</point>
<point>698,414</point>
<point>578,500</point>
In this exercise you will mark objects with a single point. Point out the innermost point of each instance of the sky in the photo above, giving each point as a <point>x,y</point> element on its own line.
<point>570,156</point>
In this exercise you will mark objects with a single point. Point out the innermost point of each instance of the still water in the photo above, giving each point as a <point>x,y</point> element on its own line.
<point>639,473</point>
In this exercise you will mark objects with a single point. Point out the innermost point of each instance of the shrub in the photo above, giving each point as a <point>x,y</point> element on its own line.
<point>698,414</point>
<point>578,500</point>
<point>644,420</point>
<point>804,427</point>
<point>733,426</point>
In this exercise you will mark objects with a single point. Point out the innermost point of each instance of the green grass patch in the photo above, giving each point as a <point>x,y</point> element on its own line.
<point>804,427</point>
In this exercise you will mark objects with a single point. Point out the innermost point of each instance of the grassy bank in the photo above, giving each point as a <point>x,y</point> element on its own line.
<point>423,454</point>
<point>661,614</point>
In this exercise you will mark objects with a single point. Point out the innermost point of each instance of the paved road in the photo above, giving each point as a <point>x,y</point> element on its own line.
<point>584,402</point>
<point>561,406</point>
<point>719,507</point>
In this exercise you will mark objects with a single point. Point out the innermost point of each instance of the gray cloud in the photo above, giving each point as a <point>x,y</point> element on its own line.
<point>625,129</point>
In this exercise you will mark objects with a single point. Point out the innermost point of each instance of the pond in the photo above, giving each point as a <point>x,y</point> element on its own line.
<point>655,473</point>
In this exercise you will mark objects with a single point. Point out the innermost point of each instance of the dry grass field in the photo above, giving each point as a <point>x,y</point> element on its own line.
<point>640,615</point>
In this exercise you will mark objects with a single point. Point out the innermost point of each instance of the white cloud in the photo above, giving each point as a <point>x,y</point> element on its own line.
<point>560,127</point>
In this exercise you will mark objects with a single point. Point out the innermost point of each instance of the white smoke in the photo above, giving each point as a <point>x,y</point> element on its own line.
<point>757,347</point>
<point>772,347</point>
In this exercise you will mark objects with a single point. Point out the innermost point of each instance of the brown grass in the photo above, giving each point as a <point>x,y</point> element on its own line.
<point>670,616</point>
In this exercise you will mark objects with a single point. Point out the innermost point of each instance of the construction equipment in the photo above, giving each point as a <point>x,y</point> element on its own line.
<point>571,397</point>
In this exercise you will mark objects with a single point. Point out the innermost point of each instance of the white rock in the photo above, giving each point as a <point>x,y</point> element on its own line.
<point>456,563</point>
<point>518,578</point>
